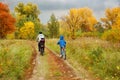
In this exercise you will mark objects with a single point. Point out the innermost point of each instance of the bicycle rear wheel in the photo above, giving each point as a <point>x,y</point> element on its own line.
<point>42,51</point>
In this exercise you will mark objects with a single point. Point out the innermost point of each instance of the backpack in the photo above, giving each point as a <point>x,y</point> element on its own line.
<point>42,41</point>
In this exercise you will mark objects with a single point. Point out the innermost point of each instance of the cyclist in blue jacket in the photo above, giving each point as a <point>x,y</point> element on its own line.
<point>62,44</point>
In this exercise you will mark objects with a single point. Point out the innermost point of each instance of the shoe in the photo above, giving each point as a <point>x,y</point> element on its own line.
<point>61,56</point>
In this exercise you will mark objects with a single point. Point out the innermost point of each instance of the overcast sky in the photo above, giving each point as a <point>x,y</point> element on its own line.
<point>61,7</point>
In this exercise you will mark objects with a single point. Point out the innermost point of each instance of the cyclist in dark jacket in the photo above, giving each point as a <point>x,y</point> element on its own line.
<point>41,41</point>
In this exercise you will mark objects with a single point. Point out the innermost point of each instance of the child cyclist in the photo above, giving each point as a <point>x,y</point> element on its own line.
<point>62,44</point>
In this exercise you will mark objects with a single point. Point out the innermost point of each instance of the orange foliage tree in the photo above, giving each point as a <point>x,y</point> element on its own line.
<point>6,21</point>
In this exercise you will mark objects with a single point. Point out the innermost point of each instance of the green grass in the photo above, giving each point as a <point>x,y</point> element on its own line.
<point>99,57</point>
<point>14,59</point>
<point>52,44</point>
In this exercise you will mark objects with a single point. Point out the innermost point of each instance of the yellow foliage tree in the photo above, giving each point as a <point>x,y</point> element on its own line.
<point>72,19</point>
<point>27,31</point>
<point>81,18</point>
<point>116,25</point>
<point>87,19</point>
<point>63,29</point>
<point>110,17</point>
<point>114,33</point>
<point>27,12</point>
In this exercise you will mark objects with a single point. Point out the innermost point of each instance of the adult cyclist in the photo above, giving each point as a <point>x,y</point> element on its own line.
<point>41,42</point>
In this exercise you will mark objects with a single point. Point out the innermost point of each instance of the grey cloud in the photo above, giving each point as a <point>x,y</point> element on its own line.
<point>48,7</point>
<point>65,4</point>
<point>94,4</point>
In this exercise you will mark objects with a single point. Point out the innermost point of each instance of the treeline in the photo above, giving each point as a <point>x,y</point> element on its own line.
<point>79,22</point>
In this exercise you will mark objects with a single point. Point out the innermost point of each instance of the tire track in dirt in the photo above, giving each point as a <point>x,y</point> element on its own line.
<point>40,71</point>
<point>67,73</point>
<point>32,63</point>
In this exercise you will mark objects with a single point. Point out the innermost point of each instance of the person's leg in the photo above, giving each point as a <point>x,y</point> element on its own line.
<point>43,47</point>
<point>61,52</point>
<point>39,46</point>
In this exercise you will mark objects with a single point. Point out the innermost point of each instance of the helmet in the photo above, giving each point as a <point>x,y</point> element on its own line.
<point>40,32</point>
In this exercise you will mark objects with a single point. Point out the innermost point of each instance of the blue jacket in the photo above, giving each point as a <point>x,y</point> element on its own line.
<point>62,42</point>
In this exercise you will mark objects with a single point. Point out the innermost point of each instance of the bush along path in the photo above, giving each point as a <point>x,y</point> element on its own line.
<point>51,67</point>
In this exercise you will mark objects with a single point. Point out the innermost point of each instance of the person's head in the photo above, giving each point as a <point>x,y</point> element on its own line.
<point>61,37</point>
<point>40,32</point>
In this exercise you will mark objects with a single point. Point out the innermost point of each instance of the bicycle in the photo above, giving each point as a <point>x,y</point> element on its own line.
<point>41,49</point>
<point>42,46</point>
<point>63,53</point>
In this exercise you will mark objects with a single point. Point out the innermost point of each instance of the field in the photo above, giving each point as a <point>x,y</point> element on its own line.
<point>98,57</point>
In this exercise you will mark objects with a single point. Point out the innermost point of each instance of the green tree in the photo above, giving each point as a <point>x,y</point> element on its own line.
<point>44,29</point>
<point>53,26</point>
<point>28,10</point>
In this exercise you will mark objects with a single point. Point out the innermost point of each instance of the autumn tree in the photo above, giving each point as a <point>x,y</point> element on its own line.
<point>87,20</point>
<point>7,21</point>
<point>27,12</point>
<point>116,24</point>
<point>110,17</point>
<point>27,31</point>
<point>72,20</point>
<point>63,29</point>
<point>53,26</point>
<point>113,34</point>
<point>81,18</point>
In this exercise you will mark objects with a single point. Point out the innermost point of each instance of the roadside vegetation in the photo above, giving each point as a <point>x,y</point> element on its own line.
<point>97,56</point>
<point>14,59</point>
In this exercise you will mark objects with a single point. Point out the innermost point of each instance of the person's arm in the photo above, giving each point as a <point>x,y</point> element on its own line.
<point>58,42</point>
<point>65,43</point>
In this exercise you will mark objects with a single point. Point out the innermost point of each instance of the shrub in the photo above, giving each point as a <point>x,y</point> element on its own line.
<point>96,54</point>
<point>89,34</point>
<point>112,35</point>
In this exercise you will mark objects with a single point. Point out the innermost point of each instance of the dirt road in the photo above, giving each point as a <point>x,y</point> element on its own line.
<point>51,67</point>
